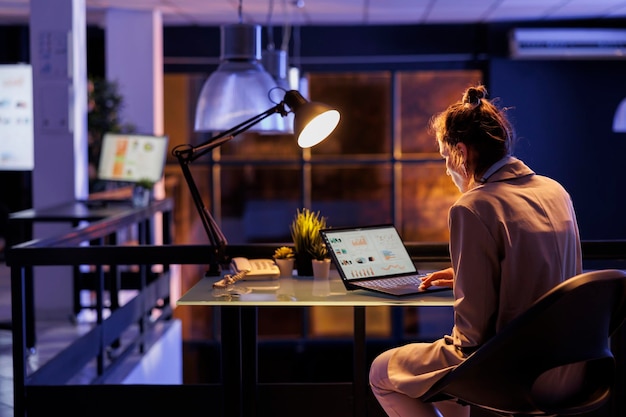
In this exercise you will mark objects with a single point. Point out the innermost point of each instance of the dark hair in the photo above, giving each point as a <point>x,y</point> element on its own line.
<point>480,125</point>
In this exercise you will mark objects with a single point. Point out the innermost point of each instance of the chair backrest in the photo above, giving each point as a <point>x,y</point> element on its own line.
<point>569,324</point>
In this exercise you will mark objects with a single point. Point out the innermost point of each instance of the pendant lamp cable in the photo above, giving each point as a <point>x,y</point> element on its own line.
<point>286,27</point>
<point>270,27</point>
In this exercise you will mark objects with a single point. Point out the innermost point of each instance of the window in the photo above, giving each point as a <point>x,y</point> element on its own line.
<point>381,165</point>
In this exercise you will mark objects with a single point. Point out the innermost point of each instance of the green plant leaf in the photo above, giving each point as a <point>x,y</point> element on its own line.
<point>305,229</point>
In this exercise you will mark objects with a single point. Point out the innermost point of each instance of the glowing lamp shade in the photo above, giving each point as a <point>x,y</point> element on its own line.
<point>313,121</point>
<point>317,129</point>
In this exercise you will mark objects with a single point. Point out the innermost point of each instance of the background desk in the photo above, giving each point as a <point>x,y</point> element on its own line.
<point>239,328</point>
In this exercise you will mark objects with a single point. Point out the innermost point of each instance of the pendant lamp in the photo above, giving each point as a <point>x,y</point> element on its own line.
<point>240,87</point>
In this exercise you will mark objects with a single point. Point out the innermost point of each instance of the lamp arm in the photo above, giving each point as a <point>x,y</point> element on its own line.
<point>214,233</point>
<point>195,152</point>
<point>186,154</point>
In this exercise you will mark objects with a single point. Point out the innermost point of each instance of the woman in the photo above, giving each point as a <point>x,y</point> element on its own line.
<point>513,236</point>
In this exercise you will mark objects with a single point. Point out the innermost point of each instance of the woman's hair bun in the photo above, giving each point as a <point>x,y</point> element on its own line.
<point>474,94</point>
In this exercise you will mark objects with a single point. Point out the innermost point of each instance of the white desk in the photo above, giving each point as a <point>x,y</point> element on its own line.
<point>239,326</point>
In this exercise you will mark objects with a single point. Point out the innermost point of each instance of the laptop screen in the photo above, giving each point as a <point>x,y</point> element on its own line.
<point>132,157</point>
<point>370,251</point>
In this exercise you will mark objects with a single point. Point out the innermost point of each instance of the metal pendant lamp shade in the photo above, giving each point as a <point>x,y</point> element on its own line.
<point>240,87</point>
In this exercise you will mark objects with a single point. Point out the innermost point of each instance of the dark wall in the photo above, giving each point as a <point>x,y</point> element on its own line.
<point>563,113</point>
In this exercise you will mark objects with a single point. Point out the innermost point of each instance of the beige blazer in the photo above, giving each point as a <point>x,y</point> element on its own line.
<point>512,238</point>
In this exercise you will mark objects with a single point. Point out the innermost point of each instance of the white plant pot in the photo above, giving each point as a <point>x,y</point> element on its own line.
<point>285,266</point>
<point>321,269</point>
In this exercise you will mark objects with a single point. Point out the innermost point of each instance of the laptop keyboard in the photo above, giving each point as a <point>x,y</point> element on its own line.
<point>393,282</point>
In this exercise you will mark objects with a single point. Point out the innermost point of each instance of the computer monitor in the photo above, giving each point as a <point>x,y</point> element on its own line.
<point>132,157</point>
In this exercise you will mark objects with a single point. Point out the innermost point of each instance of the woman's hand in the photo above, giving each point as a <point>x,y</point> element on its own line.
<point>443,278</point>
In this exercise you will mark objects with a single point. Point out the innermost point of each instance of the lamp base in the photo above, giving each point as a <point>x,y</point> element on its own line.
<point>217,264</point>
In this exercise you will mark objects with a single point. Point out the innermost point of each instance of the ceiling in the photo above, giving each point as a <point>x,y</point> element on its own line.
<point>343,12</point>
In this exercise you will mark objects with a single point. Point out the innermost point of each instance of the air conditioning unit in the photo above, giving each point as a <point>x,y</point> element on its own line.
<point>528,43</point>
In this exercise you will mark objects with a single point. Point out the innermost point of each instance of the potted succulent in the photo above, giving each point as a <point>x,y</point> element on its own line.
<point>285,258</point>
<point>284,252</point>
<point>318,250</point>
<point>305,229</point>
<point>320,261</point>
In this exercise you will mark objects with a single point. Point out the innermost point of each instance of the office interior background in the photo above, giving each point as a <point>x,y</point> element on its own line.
<point>381,166</point>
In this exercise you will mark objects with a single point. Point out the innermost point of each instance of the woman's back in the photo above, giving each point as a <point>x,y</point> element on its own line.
<point>535,244</point>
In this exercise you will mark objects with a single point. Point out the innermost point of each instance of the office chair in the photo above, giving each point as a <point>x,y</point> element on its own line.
<point>569,324</point>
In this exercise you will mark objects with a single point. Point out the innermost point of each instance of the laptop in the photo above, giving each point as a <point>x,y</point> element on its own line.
<point>374,258</point>
<point>132,157</point>
<point>129,159</point>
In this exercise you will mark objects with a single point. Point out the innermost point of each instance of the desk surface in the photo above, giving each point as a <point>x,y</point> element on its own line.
<point>300,291</point>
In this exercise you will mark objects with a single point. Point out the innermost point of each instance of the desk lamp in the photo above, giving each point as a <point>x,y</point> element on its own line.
<point>313,122</point>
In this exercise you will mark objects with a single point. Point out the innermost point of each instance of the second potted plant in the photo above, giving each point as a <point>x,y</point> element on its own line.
<point>320,261</point>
